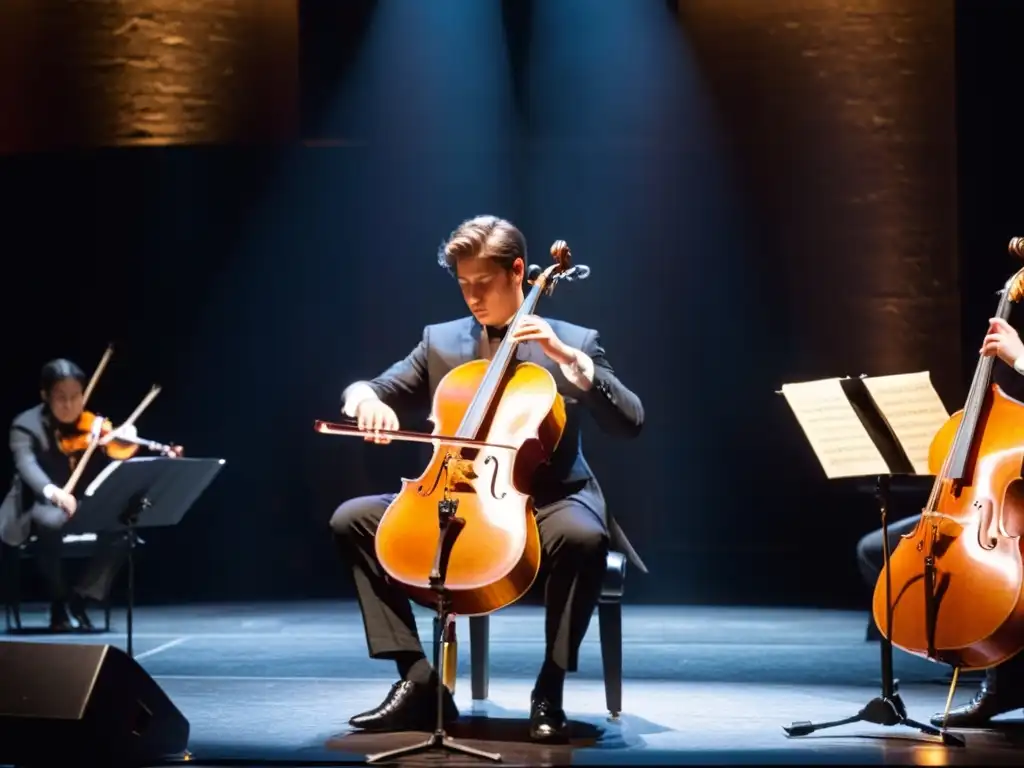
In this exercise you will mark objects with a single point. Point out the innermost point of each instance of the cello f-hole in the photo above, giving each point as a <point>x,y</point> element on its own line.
<point>494,478</point>
<point>986,523</point>
<point>442,470</point>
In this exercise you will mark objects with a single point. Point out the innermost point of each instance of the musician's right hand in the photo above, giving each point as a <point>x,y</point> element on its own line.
<point>372,415</point>
<point>65,501</point>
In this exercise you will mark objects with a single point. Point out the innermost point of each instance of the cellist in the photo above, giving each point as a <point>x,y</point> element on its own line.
<point>487,257</point>
<point>1003,688</point>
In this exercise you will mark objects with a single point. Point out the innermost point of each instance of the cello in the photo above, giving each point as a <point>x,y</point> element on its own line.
<point>494,422</point>
<point>958,577</point>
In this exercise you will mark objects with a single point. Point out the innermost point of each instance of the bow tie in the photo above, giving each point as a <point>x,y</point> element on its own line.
<point>496,333</point>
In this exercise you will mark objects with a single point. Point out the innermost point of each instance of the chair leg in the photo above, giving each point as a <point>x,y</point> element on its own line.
<point>435,645</point>
<point>479,652</point>
<point>11,567</point>
<point>609,616</point>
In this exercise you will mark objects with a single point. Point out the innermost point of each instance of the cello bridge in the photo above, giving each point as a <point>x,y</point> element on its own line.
<point>460,471</point>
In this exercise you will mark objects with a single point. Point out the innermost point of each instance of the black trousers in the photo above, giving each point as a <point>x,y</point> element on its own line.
<point>575,544</point>
<point>95,581</point>
<point>871,559</point>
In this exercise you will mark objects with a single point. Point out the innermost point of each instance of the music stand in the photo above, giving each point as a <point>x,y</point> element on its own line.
<point>847,426</point>
<point>141,493</point>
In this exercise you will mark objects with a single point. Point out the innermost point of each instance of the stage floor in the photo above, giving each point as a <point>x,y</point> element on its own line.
<point>277,682</point>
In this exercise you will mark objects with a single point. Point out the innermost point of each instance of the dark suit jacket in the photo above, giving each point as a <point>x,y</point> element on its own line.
<point>410,384</point>
<point>37,463</point>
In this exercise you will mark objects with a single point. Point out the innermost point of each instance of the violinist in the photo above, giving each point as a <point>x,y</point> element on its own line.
<point>37,503</point>
<point>487,257</point>
<point>1003,688</point>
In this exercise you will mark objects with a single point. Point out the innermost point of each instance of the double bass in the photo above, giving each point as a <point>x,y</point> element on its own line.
<point>958,577</point>
<point>494,422</point>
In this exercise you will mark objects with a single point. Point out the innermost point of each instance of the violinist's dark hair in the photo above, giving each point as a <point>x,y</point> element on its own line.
<point>487,237</point>
<point>56,371</point>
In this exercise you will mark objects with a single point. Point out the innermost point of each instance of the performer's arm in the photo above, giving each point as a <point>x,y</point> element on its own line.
<point>402,386</point>
<point>27,465</point>
<point>616,409</point>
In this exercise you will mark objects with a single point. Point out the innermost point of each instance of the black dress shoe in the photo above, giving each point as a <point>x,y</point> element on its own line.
<point>407,707</point>
<point>76,605</point>
<point>978,711</point>
<point>59,621</point>
<point>547,721</point>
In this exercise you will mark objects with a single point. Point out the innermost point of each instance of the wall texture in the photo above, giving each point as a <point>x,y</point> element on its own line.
<point>842,117</point>
<point>105,72</point>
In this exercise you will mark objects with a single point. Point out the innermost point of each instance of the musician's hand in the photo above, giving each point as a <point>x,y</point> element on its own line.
<point>65,501</point>
<point>1002,341</point>
<point>533,328</point>
<point>129,431</point>
<point>372,415</point>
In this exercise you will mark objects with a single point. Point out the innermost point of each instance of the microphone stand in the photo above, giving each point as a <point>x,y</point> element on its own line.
<point>450,527</point>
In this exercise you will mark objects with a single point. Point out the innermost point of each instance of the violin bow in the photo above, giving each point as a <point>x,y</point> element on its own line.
<point>94,437</point>
<point>94,434</point>
<point>97,373</point>
<point>334,428</point>
<point>153,392</point>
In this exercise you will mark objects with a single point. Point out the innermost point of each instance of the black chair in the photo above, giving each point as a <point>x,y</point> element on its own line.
<point>609,616</point>
<point>75,547</point>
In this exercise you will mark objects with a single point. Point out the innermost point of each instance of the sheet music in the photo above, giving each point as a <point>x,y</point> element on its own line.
<point>834,430</point>
<point>914,411</point>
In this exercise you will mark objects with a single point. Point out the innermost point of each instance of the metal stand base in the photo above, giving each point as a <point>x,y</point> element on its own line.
<point>881,710</point>
<point>437,740</point>
<point>450,527</point>
<point>887,709</point>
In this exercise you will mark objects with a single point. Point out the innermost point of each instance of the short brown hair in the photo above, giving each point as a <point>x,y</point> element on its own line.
<point>487,237</point>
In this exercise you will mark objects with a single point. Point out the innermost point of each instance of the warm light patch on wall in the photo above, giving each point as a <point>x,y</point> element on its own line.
<point>151,72</point>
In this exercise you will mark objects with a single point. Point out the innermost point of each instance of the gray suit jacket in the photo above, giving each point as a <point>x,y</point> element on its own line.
<point>409,385</point>
<point>30,444</point>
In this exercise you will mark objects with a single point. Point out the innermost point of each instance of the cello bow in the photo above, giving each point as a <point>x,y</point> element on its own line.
<point>348,430</point>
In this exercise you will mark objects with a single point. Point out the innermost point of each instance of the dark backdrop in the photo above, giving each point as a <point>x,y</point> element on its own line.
<point>764,195</point>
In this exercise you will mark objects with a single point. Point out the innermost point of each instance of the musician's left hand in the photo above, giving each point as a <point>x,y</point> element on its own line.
<point>1002,341</point>
<point>533,328</point>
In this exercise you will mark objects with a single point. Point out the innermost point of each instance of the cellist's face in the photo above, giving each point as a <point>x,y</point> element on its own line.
<point>492,293</point>
<point>65,400</point>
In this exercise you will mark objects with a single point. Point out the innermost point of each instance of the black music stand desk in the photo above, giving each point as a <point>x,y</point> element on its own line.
<point>141,493</point>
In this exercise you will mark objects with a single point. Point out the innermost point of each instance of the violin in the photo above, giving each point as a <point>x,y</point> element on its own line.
<point>93,431</point>
<point>957,579</point>
<point>495,422</point>
<point>116,446</point>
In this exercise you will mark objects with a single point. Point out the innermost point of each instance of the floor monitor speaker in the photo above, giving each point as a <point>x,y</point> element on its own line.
<point>85,703</point>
